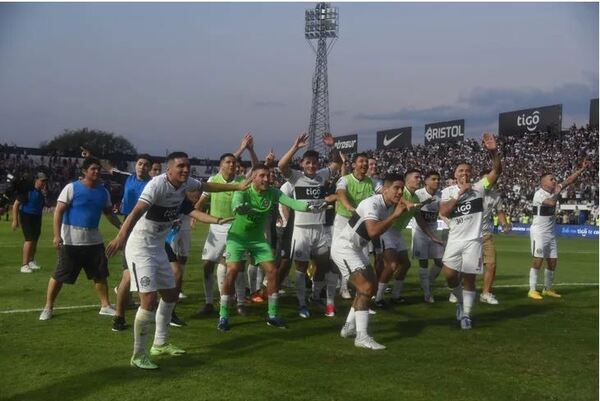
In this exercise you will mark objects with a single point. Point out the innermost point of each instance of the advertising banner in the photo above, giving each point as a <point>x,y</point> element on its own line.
<point>445,132</point>
<point>347,143</point>
<point>539,119</point>
<point>561,230</point>
<point>396,138</point>
<point>594,113</point>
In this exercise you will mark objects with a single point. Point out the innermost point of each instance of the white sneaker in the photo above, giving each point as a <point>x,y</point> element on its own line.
<point>182,295</point>
<point>46,314</point>
<point>26,269</point>
<point>452,298</point>
<point>107,311</point>
<point>459,312</point>
<point>429,299</point>
<point>367,342</point>
<point>372,312</point>
<point>349,330</point>
<point>34,266</point>
<point>465,323</point>
<point>116,290</point>
<point>488,298</point>
<point>345,294</point>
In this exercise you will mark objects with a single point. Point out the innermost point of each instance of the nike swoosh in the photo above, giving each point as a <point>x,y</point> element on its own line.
<point>387,141</point>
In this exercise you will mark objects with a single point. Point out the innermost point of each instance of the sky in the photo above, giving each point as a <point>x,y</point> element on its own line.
<point>197,76</point>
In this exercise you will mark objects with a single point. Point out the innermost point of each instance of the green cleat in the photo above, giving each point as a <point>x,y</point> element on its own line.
<point>166,349</point>
<point>143,362</point>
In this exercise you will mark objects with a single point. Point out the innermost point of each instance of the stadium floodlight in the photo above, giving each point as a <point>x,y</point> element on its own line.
<point>320,23</point>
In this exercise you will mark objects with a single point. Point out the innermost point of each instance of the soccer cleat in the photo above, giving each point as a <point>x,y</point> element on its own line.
<point>388,290</point>
<point>241,310</point>
<point>488,298</point>
<point>465,323</point>
<point>176,321</point>
<point>223,324</point>
<point>304,312</point>
<point>26,269</point>
<point>452,298</point>
<point>257,297</point>
<point>182,295</point>
<point>349,330</point>
<point>142,362</point>
<point>429,299</point>
<point>459,312</point>
<point>166,349</point>
<point>208,309</point>
<point>367,342</point>
<point>345,294</point>
<point>372,312</point>
<point>381,304</point>
<point>330,310</point>
<point>551,293</point>
<point>46,314</point>
<point>276,322</point>
<point>119,323</point>
<point>107,311</point>
<point>34,266</point>
<point>533,294</point>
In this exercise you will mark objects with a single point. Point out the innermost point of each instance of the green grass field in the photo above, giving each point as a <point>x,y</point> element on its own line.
<point>518,350</point>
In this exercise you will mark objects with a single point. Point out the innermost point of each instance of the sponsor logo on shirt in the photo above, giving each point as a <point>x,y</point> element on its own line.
<point>309,193</point>
<point>468,207</point>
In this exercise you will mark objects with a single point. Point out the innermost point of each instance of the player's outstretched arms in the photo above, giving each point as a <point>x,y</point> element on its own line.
<point>489,143</point>
<point>207,218</point>
<point>119,241</point>
<point>284,163</point>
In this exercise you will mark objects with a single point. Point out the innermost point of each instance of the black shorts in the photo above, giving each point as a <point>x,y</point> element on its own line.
<point>31,225</point>
<point>170,253</point>
<point>286,243</point>
<point>72,258</point>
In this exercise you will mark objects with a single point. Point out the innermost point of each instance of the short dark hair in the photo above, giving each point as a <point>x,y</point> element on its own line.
<point>89,161</point>
<point>461,163</point>
<point>412,171</point>
<point>544,174</point>
<point>225,156</point>
<point>431,173</point>
<point>310,153</point>
<point>144,156</point>
<point>260,166</point>
<point>176,155</point>
<point>486,171</point>
<point>392,177</point>
<point>362,154</point>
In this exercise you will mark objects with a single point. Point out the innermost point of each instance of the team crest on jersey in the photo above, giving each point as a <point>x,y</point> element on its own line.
<point>145,281</point>
<point>265,203</point>
<point>538,251</point>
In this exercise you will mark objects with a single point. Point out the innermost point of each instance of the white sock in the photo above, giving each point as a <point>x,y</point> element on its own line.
<point>141,328</point>
<point>351,318</point>
<point>380,291</point>
<point>317,288</point>
<point>468,300</point>
<point>163,318</point>
<point>260,278</point>
<point>240,288</point>
<point>434,273</point>
<point>362,322</point>
<point>208,289</point>
<point>458,293</point>
<point>424,277</point>
<point>221,274</point>
<point>548,279</point>
<point>533,278</point>
<point>252,270</point>
<point>332,279</point>
<point>343,284</point>
<point>301,288</point>
<point>398,287</point>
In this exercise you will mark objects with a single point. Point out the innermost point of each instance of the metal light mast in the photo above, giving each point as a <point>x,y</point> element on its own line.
<point>321,24</point>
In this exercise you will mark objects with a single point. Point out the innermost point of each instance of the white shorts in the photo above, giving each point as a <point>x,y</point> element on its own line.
<point>424,248</point>
<point>392,239</point>
<point>349,260</point>
<point>181,243</point>
<point>543,245</point>
<point>464,256</point>
<point>214,247</point>
<point>149,268</point>
<point>308,241</point>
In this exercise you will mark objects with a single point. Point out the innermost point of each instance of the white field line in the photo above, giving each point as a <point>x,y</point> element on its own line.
<point>56,308</point>
<point>554,285</point>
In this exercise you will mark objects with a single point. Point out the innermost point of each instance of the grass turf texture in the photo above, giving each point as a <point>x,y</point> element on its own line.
<point>519,350</point>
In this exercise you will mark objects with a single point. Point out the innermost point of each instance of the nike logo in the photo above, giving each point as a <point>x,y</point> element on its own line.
<point>387,141</point>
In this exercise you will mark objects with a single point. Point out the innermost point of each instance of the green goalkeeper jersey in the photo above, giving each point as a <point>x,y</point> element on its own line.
<point>220,202</point>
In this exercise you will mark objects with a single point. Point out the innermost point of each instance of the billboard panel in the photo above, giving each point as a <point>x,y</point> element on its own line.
<point>396,138</point>
<point>347,143</point>
<point>538,119</point>
<point>445,132</point>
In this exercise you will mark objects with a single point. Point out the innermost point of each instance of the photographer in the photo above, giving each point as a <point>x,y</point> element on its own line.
<point>27,212</point>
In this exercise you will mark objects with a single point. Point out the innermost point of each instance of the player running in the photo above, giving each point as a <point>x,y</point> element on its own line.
<point>462,204</point>
<point>543,237</point>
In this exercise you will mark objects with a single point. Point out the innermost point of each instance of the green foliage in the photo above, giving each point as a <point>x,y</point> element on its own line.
<point>101,143</point>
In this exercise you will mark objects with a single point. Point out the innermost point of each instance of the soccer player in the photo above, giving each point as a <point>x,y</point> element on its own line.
<point>247,235</point>
<point>373,174</point>
<point>156,169</point>
<point>159,205</point>
<point>462,204</point>
<point>27,212</point>
<point>424,248</point>
<point>543,238</point>
<point>220,206</point>
<point>372,217</point>
<point>395,253</point>
<point>77,237</point>
<point>310,239</point>
<point>351,189</point>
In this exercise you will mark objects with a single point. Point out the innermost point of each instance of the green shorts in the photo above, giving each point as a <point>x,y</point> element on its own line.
<point>235,251</point>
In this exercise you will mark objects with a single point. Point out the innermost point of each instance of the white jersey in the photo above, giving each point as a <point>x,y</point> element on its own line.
<point>466,218</point>
<point>377,184</point>
<point>286,189</point>
<point>430,211</point>
<point>491,202</point>
<point>543,215</point>
<point>186,222</point>
<point>311,190</point>
<point>165,206</point>
<point>354,234</point>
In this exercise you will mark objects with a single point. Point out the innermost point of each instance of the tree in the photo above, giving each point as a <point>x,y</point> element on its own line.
<point>102,144</point>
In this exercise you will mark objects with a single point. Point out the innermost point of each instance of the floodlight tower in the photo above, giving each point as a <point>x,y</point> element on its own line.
<point>321,24</point>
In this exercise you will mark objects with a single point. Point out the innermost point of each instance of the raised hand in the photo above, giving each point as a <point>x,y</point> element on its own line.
<point>270,157</point>
<point>400,208</point>
<point>586,164</point>
<point>489,142</point>
<point>247,139</point>
<point>328,139</point>
<point>301,141</point>
<point>463,186</point>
